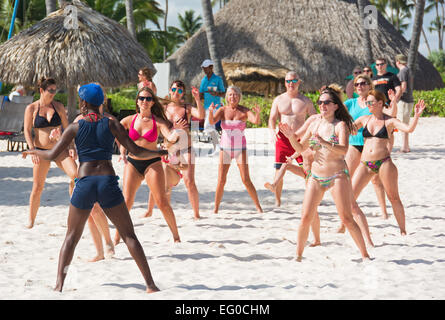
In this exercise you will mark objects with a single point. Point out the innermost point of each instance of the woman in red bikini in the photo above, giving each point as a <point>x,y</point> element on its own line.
<point>144,128</point>
<point>375,158</point>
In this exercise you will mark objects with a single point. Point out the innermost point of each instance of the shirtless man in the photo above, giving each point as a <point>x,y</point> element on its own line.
<point>291,108</point>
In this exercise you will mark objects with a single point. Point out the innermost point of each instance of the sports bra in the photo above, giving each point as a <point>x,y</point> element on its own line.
<point>382,133</point>
<point>150,135</point>
<point>42,122</point>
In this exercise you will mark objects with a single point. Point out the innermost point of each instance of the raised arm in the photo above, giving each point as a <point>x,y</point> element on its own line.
<point>198,112</point>
<point>399,125</point>
<point>255,115</point>
<point>214,118</point>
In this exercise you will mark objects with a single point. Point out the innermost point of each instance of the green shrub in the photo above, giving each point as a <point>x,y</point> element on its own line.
<point>434,100</point>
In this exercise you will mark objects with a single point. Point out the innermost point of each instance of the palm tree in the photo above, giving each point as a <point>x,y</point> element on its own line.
<point>130,17</point>
<point>51,5</point>
<point>397,12</point>
<point>189,23</point>
<point>165,26</point>
<point>438,24</point>
<point>366,37</point>
<point>415,37</point>
<point>211,39</point>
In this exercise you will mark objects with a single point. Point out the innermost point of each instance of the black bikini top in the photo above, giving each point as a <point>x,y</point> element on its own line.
<point>382,133</point>
<point>42,122</point>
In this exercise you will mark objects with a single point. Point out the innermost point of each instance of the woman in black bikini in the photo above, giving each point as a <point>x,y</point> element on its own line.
<point>376,159</point>
<point>47,118</point>
<point>176,111</point>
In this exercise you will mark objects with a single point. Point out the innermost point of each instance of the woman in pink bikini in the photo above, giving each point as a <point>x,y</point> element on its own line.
<point>233,142</point>
<point>144,128</point>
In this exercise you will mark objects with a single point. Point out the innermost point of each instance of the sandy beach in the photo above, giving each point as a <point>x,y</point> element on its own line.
<point>237,253</point>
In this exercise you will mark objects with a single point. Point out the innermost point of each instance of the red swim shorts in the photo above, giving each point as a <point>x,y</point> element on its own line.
<point>283,149</point>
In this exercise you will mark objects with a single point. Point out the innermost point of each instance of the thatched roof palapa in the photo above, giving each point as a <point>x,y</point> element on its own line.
<point>99,50</point>
<point>320,39</point>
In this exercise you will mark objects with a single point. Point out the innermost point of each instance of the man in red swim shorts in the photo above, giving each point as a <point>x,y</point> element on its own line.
<point>293,108</point>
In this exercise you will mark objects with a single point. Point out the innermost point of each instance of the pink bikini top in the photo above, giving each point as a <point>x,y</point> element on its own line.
<point>150,135</point>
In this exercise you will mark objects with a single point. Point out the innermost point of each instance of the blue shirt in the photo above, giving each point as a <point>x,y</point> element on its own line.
<point>356,112</point>
<point>214,81</point>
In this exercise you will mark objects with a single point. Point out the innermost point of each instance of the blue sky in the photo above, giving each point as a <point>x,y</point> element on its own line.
<point>180,6</point>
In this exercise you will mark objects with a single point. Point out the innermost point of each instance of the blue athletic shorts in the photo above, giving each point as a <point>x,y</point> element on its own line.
<point>102,189</point>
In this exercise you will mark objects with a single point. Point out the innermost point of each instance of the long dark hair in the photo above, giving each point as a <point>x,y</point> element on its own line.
<point>157,109</point>
<point>341,113</point>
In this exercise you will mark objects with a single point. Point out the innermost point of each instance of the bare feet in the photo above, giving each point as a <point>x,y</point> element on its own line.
<point>30,225</point>
<point>403,232</point>
<point>152,289</point>
<point>385,216</point>
<point>270,186</point>
<point>315,244</point>
<point>299,258</point>
<point>177,240</point>
<point>97,258</point>
<point>259,209</point>
<point>405,150</point>
<point>197,217</point>
<point>147,214</point>
<point>341,229</point>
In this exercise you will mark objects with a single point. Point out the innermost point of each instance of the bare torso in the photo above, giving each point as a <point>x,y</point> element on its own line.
<point>293,111</point>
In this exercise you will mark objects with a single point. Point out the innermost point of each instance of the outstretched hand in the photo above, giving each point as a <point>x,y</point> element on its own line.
<point>420,106</point>
<point>195,93</point>
<point>286,129</point>
<point>180,124</point>
<point>391,94</point>
<point>257,108</point>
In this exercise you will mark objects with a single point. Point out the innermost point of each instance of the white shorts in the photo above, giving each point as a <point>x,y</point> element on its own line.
<point>404,110</point>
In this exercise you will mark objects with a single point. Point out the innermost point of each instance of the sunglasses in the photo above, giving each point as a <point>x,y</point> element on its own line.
<point>366,70</point>
<point>180,91</point>
<point>370,103</point>
<point>145,99</point>
<point>357,72</point>
<point>293,80</point>
<point>325,102</point>
<point>361,84</point>
<point>380,64</point>
<point>52,91</point>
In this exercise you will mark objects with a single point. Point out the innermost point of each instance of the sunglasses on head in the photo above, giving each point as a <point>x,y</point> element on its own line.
<point>145,99</point>
<point>359,84</point>
<point>180,91</point>
<point>325,102</point>
<point>293,80</point>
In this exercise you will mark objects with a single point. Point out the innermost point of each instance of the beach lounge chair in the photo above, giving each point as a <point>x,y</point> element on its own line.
<point>11,125</point>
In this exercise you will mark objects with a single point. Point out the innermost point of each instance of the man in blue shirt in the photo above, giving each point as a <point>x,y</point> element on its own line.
<point>211,90</point>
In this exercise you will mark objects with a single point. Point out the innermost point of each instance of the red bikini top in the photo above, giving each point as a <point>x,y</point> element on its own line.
<point>150,135</point>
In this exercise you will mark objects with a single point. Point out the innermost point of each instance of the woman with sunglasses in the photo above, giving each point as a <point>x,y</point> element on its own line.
<point>182,165</point>
<point>367,71</point>
<point>145,78</point>
<point>328,138</point>
<point>94,136</point>
<point>46,118</point>
<point>233,118</point>
<point>357,107</point>
<point>376,159</point>
<point>144,128</point>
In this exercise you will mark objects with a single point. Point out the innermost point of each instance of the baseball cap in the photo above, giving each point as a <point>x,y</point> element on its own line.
<point>92,93</point>
<point>206,63</point>
<point>401,58</point>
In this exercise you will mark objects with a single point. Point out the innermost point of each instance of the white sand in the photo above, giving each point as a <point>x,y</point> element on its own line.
<point>237,254</point>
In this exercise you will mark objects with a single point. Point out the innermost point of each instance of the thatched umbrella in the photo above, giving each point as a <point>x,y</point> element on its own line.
<point>320,39</point>
<point>98,50</point>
